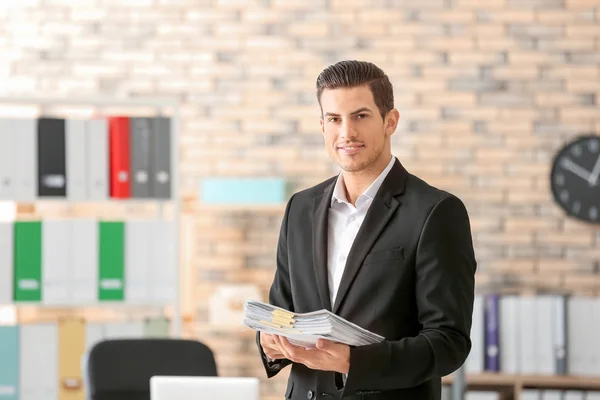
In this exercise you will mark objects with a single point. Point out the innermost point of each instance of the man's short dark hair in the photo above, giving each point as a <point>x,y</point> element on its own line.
<point>351,73</point>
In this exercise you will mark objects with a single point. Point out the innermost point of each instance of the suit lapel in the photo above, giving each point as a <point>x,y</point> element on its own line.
<point>382,208</point>
<point>320,233</point>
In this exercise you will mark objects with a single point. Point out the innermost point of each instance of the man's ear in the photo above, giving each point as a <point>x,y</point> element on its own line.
<point>391,121</point>
<point>322,125</point>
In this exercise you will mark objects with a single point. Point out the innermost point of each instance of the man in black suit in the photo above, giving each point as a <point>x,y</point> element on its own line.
<point>377,246</point>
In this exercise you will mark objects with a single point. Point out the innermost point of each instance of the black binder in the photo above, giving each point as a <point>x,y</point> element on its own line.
<point>52,174</point>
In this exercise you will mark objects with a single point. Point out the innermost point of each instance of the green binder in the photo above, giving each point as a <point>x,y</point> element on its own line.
<point>157,327</point>
<point>28,261</point>
<point>112,261</point>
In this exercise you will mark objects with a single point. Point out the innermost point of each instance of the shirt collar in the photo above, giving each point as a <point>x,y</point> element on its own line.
<point>339,194</point>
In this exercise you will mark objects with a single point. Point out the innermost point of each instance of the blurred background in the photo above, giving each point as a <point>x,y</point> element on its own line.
<point>491,95</point>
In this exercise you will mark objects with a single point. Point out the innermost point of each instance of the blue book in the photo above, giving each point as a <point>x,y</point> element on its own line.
<point>492,333</point>
<point>243,191</point>
<point>9,362</point>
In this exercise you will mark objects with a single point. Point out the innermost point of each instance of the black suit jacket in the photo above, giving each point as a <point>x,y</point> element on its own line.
<point>409,277</point>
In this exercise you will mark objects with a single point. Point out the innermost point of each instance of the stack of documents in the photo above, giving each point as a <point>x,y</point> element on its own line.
<point>303,329</point>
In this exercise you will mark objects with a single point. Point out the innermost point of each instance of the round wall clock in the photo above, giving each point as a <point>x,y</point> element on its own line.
<point>575,178</point>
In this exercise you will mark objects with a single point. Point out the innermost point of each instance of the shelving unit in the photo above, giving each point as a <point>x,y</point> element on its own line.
<point>512,385</point>
<point>157,105</point>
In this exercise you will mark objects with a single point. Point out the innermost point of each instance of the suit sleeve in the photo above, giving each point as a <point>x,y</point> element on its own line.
<point>280,293</point>
<point>445,282</point>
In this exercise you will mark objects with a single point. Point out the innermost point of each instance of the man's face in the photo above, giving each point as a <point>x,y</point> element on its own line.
<point>356,137</point>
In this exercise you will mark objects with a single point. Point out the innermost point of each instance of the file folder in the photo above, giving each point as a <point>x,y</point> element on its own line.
<point>6,263</point>
<point>138,261</point>
<point>7,159</point>
<point>28,261</point>
<point>475,360</point>
<point>112,260</point>
<point>97,159</point>
<point>9,362</point>
<point>55,261</point>
<point>161,158</point>
<point>83,286</point>
<point>157,327</point>
<point>52,174</point>
<point>25,184</point>
<point>510,348</point>
<point>76,159</point>
<point>124,330</point>
<point>140,133</point>
<point>94,333</point>
<point>71,347</point>
<point>120,172</point>
<point>39,361</point>
<point>164,273</point>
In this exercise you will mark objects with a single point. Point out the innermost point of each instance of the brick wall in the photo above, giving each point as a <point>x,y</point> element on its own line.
<point>487,90</point>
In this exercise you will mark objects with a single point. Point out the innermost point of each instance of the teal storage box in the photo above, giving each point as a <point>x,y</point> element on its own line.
<point>9,362</point>
<point>243,191</point>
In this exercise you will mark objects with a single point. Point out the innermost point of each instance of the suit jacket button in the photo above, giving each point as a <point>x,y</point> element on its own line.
<point>309,395</point>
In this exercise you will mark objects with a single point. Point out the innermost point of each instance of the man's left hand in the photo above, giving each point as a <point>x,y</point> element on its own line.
<point>327,356</point>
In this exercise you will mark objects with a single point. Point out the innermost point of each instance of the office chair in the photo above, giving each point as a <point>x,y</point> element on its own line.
<point>120,369</point>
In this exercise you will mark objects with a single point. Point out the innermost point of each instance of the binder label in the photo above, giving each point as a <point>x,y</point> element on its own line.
<point>6,390</point>
<point>54,181</point>
<point>28,284</point>
<point>113,284</point>
<point>162,177</point>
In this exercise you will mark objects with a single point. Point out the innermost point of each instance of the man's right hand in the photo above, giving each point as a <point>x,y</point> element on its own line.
<point>270,346</point>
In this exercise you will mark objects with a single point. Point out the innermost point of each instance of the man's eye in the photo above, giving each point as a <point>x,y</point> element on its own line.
<point>362,115</point>
<point>333,119</point>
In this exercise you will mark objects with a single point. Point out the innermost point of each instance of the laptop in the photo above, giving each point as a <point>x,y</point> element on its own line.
<point>203,387</point>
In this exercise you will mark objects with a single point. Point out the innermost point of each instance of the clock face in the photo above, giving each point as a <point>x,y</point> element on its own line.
<point>576,178</point>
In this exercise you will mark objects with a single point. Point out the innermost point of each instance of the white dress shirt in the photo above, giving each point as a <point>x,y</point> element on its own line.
<point>344,222</point>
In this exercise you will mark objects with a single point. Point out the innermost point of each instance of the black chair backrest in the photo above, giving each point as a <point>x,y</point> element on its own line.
<point>120,369</point>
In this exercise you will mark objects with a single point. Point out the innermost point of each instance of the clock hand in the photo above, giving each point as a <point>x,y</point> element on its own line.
<point>595,172</point>
<point>576,169</point>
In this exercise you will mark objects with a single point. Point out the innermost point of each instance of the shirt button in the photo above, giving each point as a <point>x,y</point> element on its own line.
<point>342,258</point>
<point>309,395</point>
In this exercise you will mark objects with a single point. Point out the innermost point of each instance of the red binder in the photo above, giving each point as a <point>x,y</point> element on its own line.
<point>120,171</point>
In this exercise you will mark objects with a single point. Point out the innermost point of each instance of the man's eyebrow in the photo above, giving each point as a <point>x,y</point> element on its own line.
<point>362,109</point>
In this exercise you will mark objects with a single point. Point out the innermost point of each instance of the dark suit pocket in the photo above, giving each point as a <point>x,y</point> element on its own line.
<point>289,389</point>
<point>384,255</point>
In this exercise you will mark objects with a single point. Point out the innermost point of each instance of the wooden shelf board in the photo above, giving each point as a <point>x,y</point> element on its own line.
<point>530,381</point>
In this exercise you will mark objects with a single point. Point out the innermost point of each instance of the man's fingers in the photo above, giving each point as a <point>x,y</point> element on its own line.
<point>283,349</point>
<point>330,347</point>
<point>299,353</point>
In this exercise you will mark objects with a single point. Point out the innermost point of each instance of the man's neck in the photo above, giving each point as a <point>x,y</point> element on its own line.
<point>355,183</point>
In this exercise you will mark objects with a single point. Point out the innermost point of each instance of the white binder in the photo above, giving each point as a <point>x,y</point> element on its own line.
<point>576,345</point>
<point>528,335</point>
<point>55,262</point>
<point>574,395</point>
<point>592,336</point>
<point>138,260</point>
<point>26,159</point>
<point>124,330</point>
<point>94,333</point>
<point>75,139</point>
<point>164,272</point>
<point>475,360</point>
<point>552,394</point>
<point>544,332</point>
<point>6,263</point>
<point>8,140</point>
<point>509,334</point>
<point>39,362</point>
<point>97,159</point>
<point>84,261</point>
<point>530,394</point>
